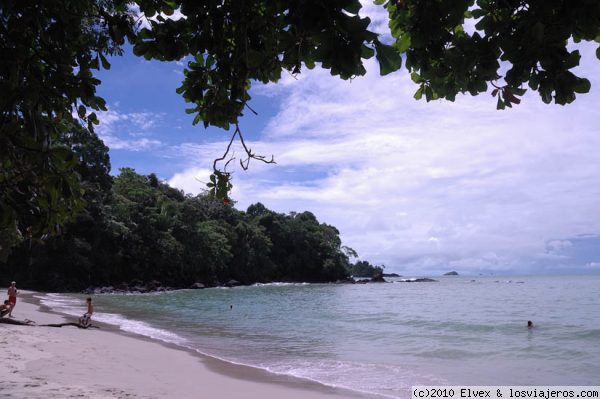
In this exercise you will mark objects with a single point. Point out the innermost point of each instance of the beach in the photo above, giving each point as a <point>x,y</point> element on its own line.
<point>42,362</point>
<point>322,341</point>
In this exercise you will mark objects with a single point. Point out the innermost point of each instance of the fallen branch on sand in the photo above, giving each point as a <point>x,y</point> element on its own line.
<point>67,324</point>
<point>27,322</point>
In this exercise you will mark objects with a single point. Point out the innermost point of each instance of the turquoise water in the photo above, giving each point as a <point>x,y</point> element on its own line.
<point>382,338</point>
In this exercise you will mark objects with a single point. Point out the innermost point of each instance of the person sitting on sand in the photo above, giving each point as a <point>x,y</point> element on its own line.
<point>5,308</point>
<point>86,320</point>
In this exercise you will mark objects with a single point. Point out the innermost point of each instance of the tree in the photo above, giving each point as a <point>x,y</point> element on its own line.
<point>50,50</point>
<point>446,55</point>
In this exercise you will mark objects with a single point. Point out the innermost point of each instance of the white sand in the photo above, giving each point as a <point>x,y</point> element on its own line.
<point>48,362</point>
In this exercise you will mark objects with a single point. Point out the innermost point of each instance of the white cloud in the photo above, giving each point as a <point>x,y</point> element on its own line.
<point>425,186</point>
<point>117,128</point>
<point>191,180</point>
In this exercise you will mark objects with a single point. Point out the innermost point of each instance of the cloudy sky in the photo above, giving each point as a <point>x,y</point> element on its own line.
<point>421,187</point>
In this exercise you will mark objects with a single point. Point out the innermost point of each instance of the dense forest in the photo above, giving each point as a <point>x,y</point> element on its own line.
<point>137,228</point>
<point>362,268</point>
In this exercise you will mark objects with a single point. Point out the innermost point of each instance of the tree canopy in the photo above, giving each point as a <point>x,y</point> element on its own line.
<point>137,228</point>
<point>51,50</point>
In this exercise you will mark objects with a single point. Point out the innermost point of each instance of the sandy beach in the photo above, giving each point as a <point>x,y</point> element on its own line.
<point>43,362</point>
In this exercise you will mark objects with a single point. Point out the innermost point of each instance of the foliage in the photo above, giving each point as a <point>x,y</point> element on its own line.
<point>51,50</point>
<point>464,46</point>
<point>136,227</point>
<point>48,51</point>
<point>365,269</point>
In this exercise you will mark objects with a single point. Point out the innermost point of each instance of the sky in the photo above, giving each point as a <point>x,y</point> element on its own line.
<point>422,188</point>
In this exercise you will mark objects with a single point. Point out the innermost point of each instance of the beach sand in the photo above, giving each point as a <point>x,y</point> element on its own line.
<point>50,362</point>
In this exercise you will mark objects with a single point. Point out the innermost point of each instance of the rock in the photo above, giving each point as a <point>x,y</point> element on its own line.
<point>378,279</point>
<point>363,281</point>
<point>451,274</point>
<point>232,283</point>
<point>419,280</point>
<point>153,285</point>
<point>122,286</point>
<point>197,286</point>
<point>139,288</point>
<point>391,275</point>
<point>89,290</point>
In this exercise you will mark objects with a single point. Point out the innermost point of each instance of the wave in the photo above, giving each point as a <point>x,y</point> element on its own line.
<point>279,284</point>
<point>72,307</point>
<point>372,379</point>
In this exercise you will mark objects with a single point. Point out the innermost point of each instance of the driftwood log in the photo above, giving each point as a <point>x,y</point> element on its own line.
<point>32,323</point>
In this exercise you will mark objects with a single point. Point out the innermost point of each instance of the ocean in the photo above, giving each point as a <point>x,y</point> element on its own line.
<point>380,338</point>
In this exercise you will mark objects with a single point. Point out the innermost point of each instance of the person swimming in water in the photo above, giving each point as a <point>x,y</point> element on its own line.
<point>529,324</point>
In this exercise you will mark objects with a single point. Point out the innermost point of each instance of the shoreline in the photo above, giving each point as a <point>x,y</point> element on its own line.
<point>115,354</point>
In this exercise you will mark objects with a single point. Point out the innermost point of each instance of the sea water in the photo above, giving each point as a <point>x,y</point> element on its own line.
<point>381,338</point>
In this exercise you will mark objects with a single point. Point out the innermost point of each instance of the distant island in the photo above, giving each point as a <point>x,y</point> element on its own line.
<point>451,274</point>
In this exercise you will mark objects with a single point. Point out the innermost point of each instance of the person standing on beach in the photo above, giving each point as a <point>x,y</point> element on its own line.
<point>86,319</point>
<point>12,297</point>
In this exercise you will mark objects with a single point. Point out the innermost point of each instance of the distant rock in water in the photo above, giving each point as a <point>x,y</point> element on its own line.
<point>377,276</point>
<point>391,275</point>
<point>197,286</point>
<point>348,280</point>
<point>451,274</point>
<point>135,286</point>
<point>419,280</point>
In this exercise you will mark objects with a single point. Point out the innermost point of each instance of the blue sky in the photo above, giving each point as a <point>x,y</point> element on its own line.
<point>421,187</point>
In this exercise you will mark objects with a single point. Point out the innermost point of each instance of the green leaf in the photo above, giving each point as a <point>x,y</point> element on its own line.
<point>428,93</point>
<point>546,96</point>
<point>105,63</point>
<point>573,59</point>
<point>93,118</point>
<point>366,52</point>
<point>388,57</point>
<point>403,43</point>
<point>81,111</point>
<point>500,104</point>
<point>419,93</point>
<point>582,86</point>
<point>354,7</point>
<point>598,53</point>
